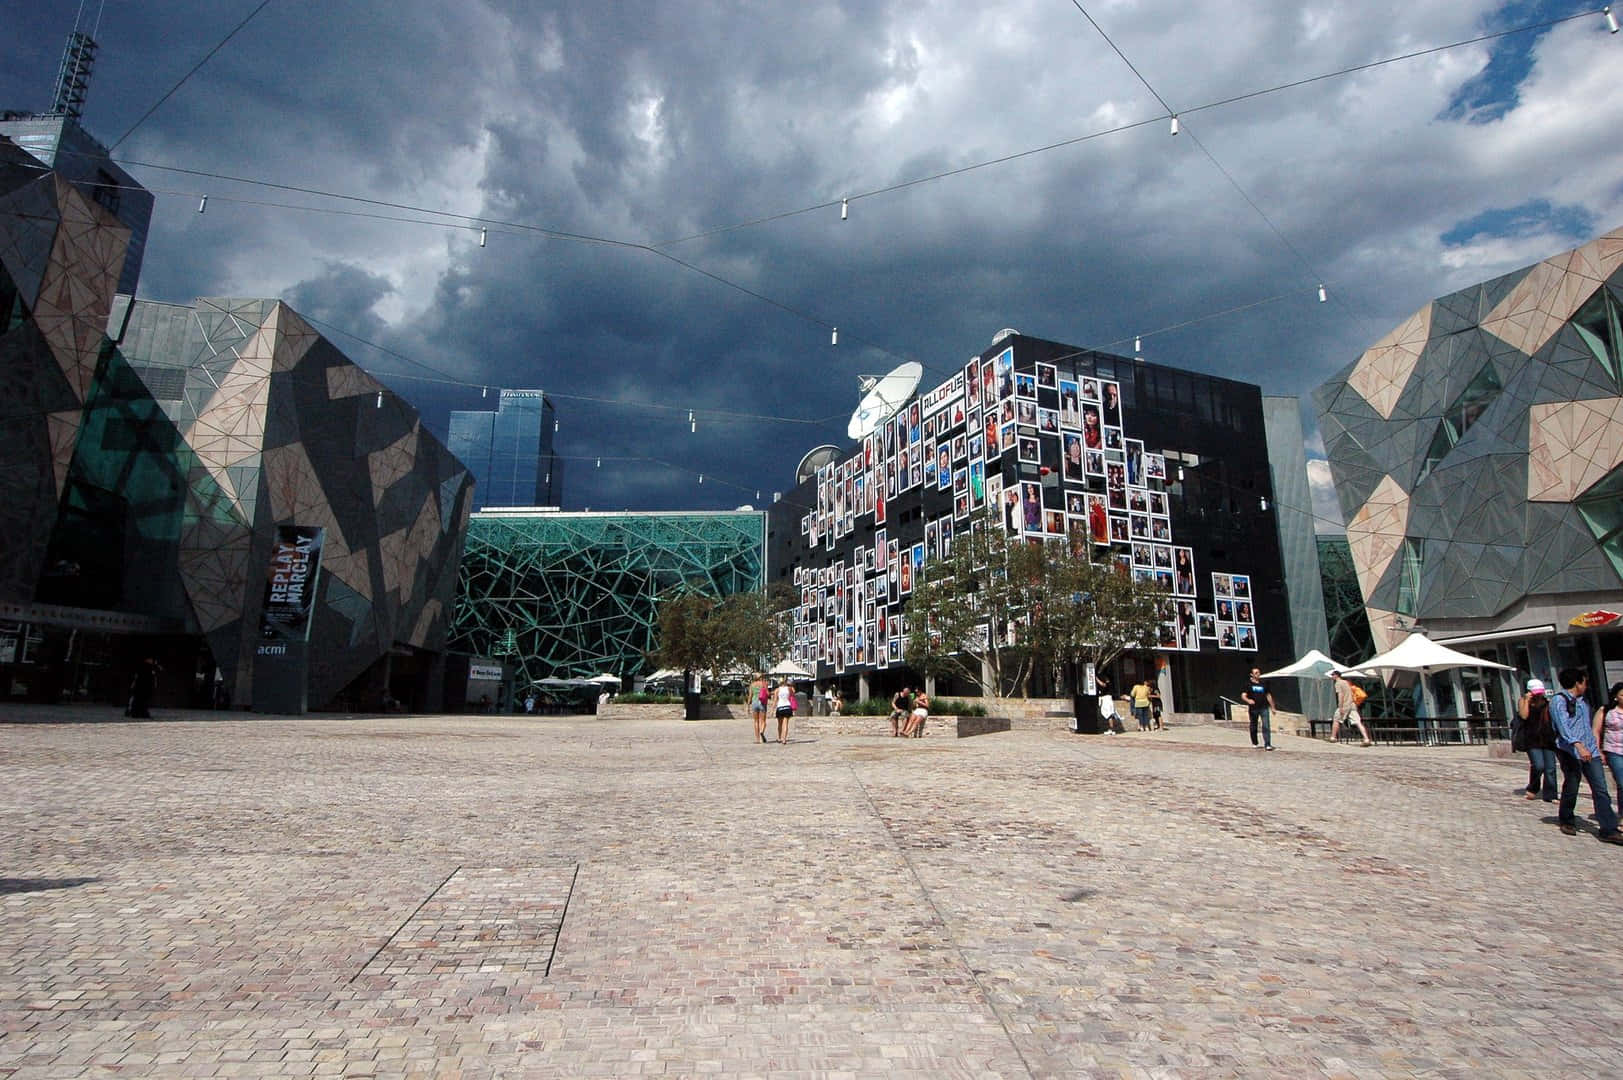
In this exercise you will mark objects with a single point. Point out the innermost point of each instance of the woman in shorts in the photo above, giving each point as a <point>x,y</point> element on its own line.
<point>759,691</point>
<point>784,697</point>
<point>921,713</point>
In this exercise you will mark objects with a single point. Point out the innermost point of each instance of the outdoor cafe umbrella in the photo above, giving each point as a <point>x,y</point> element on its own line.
<point>788,669</point>
<point>1419,653</point>
<point>606,679</point>
<point>1313,664</point>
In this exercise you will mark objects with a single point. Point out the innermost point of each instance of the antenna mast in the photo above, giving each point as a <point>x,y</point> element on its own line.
<point>73,79</point>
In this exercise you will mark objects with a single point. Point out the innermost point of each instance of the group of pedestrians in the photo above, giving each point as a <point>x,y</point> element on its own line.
<point>1560,731</point>
<point>780,698</point>
<point>908,711</point>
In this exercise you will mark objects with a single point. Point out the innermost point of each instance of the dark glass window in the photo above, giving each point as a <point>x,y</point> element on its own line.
<point>1473,401</point>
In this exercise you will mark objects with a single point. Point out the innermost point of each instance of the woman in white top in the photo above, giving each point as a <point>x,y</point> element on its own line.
<point>784,699</point>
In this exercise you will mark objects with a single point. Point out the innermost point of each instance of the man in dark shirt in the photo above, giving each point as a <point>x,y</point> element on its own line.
<point>900,707</point>
<point>1261,703</point>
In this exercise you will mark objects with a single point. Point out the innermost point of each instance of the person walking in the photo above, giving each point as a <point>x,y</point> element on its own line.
<point>1609,729</point>
<point>1260,700</point>
<point>1537,738</point>
<point>1578,753</point>
<point>142,688</point>
<point>1141,703</point>
<point>758,693</point>
<point>785,696</point>
<point>1346,710</point>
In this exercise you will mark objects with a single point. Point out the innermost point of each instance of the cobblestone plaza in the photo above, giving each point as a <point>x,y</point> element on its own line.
<point>496,897</point>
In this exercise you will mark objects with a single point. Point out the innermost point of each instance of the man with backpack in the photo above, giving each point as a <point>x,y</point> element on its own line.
<point>1348,698</point>
<point>1579,754</point>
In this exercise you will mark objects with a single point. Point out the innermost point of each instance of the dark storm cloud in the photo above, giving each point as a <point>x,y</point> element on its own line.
<point>648,123</point>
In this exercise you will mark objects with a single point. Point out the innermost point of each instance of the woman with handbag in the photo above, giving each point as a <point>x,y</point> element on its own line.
<point>1536,735</point>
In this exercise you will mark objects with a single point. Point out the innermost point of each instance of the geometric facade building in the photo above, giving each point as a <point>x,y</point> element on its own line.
<point>509,450</point>
<point>274,427</point>
<point>574,595</point>
<point>150,452</point>
<point>1477,453</point>
<point>59,144</point>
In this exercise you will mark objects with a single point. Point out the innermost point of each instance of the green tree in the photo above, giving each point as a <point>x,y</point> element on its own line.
<point>689,632</point>
<point>756,628</point>
<point>698,632</point>
<point>1092,612</point>
<point>966,617</point>
<point>999,603</point>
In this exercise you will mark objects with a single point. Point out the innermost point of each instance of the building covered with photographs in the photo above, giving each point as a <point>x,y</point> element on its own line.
<point>1477,452</point>
<point>1164,472</point>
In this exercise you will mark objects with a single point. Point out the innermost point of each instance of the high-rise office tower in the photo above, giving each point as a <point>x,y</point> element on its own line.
<point>509,450</point>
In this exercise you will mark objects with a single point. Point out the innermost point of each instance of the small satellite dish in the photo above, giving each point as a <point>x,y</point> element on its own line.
<point>884,396</point>
<point>816,458</point>
<point>1007,331</point>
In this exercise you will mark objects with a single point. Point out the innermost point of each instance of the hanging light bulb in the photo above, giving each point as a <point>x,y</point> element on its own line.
<point>555,427</point>
<point>380,399</point>
<point>1322,296</point>
<point>1263,502</point>
<point>845,207</point>
<point>482,235</point>
<point>202,204</point>
<point>834,336</point>
<point>1180,474</point>
<point>1174,123</point>
<point>484,391</point>
<point>1611,20</point>
<point>1138,344</point>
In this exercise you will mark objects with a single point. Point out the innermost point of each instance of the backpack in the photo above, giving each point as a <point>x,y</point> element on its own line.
<point>1359,694</point>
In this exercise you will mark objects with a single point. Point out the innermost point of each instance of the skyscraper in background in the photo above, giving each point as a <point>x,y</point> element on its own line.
<point>509,450</point>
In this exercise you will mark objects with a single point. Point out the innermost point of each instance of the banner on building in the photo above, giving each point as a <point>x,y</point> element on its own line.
<point>290,582</point>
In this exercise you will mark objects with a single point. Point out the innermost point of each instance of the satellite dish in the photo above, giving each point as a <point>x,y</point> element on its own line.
<point>816,458</point>
<point>884,396</point>
<point>1007,331</point>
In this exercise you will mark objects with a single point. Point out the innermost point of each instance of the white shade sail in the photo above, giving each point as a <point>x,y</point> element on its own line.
<point>1417,652</point>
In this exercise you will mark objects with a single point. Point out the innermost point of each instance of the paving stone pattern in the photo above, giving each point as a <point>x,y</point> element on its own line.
<point>545,897</point>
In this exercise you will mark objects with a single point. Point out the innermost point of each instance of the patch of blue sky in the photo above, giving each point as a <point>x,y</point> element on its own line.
<point>1494,90</point>
<point>1536,217</point>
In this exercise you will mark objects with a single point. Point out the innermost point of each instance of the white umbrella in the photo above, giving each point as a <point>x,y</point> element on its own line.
<point>1313,664</point>
<point>1417,652</point>
<point>606,677</point>
<point>788,669</point>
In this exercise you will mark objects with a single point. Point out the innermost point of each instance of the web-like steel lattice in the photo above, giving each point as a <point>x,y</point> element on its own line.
<point>564,595</point>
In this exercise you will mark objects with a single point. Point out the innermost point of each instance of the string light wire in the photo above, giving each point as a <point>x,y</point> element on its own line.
<point>195,68</point>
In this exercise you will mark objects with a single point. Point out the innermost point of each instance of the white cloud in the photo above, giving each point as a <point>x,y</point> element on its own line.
<point>1326,509</point>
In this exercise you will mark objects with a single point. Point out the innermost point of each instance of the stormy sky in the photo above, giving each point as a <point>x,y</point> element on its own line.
<point>660,185</point>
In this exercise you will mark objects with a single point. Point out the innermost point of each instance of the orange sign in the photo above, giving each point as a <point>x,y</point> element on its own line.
<point>1589,620</point>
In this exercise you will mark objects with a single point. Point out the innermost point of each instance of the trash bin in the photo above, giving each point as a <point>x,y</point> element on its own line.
<point>1086,719</point>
